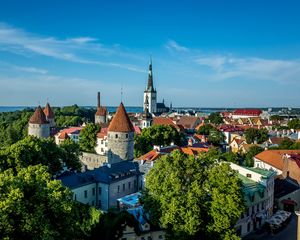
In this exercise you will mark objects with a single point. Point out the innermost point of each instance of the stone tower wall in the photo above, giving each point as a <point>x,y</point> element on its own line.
<point>51,121</point>
<point>39,130</point>
<point>100,119</point>
<point>120,146</point>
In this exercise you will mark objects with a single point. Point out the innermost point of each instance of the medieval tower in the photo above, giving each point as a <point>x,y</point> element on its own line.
<point>146,116</point>
<point>100,116</point>
<point>150,92</point>
<point>49,115</point>
<point>38,124</point>
<point>120,137</point>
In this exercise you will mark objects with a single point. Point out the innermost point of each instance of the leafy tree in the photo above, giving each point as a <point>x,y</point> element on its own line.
<point>70,154</point>
<point>193,198</point>
<point>88,136</point>
<point>253,135</point>
<point>230,157</point>
<point>31,151</point>
<point>35,207</point>
<point>276,118</point>
<point>216,137</point>
<point>215,118</point>
<point>205,129</point>
<point>253,150</point>
<point>160,135</point>
<point>294,124</point>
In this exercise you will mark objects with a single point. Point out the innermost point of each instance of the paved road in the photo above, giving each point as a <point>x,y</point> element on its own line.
<point>288,233</point>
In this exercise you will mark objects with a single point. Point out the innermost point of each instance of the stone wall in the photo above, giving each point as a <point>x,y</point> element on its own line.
<point>39,130</point>
<point>120,146</point>
<point>100,119</point>
<point>92,160</point>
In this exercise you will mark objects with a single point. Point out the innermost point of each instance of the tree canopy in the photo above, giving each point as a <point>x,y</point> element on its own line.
<point>294,124</point>
<point>194,198</point>
<point>160,135</point>
<point>215,118</point>
<point>254,135</point>
<point>35,207</point>
<point>253,150</point>
<point>32,151</point>
<point>205,129</point>
<point>88,137</point>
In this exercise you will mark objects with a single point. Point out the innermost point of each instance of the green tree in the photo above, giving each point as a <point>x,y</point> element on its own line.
<point>253,150</point>
<point>230,157</point>
<point>160,135</point>
<point>35,207</point>
<point>193,198</point>
<point>32,151</point>
<point>205,129</point>
<point>88,136</point>
<point>294,124</point>
<point>253,135</point>
<point>215,118</point>
<point>276,118</point>
<point>70,154</point>
<point>216,137</point>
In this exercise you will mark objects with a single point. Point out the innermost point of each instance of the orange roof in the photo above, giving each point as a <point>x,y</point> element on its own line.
<point>38,117</point>
<point>63,135</point>
<point>165,121</point>
<point>121,121</point>
<point>48,111</point>
<point>102,133</point>
<point>187,121</point>
<point>71,130</point>
<point>274,157</point>
<point>101,111</point>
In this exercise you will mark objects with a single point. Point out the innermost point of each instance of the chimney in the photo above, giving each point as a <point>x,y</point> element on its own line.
<point>98,100</point>
<point>190,142</point>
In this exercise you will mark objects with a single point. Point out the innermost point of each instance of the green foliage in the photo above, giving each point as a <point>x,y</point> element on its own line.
<point>253,135</point>
<point>112,225</point>
<point>253,150</point>
<point>70,154</point>
<point>88,136</point>
<point>230,157</point>
<point>294,124</point>
<point>276,118</point>
<point>33,151</point>
<point>215,118</point>
<point>193,198</point>
<point>13,126</point>
<point>216,137</point>
<point>32,206</point>
<point>160,135</point>
<point>288,144</point>
<point>205,129</point>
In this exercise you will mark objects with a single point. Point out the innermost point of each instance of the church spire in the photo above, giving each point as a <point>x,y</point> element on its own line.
<point>150,77</point>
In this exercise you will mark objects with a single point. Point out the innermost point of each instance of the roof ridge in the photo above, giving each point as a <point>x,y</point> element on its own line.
<point>121,121</point>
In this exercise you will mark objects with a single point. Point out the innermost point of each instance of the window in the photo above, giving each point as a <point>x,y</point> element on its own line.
<point>248,175</point>
<point>160,237</point>
<point>118,189</point>
<point>247,212</point>
<point>123,186</point>
<point>129,185</point>
<point>288,173</point>
<point>100,190</point>
<point>93,191</point>
<point>116,136</point>
<point>253,209</point>
<point>75,197</point>
<point>85,193</point>
<point>248,227</point>
<point>102,150</point>
<point>134,183</point>
<point>101,141</point>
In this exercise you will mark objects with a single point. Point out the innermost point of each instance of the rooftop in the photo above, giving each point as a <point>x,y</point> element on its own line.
<point>38,117</point>
<point>121,121</point>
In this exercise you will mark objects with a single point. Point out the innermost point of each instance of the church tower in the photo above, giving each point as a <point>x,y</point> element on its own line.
<point>146,116</point>
<point>150,92</point>
<point>120,137</point>
<point>38,125</point>
<point>100,116</point>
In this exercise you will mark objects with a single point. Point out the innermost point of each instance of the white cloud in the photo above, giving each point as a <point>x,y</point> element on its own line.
<point>174,46</point>
<point>31,69</point>
<point>21,42</point>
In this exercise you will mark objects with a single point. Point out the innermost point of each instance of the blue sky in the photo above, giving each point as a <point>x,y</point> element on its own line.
<point>205,53</point>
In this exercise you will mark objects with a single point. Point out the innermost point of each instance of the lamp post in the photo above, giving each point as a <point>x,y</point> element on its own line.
<point>298,225</point>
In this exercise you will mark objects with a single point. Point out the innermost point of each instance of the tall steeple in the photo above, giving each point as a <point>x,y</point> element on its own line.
<point>150,87</point>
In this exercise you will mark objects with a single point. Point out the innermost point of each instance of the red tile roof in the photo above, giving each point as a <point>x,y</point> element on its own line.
<point>102,133</point>
<point>275,157</point>
<point>38,117</point>
<point>71,130</point>
<point>295,158</point>
<point>121,121</point>
<point>48,111</point>
<point>101,111</point>
<point>166,121</point>
<point>230,128</point>
<point>188,122</point>
<point>247,112</point>
<point>63,135</point>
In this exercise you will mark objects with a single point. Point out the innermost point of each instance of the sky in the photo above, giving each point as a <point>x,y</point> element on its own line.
<point>212,53</point>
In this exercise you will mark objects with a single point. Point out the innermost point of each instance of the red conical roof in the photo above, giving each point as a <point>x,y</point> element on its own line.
<point>48,111</point>
<point>121,121</point>
<point>38,117</point>
<point>101,111</point>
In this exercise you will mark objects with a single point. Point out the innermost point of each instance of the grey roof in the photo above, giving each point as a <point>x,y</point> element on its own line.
<point>104,174</point>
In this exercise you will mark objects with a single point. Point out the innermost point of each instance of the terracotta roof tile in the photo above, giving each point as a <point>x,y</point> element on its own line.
<point>275,157</point>
<point>188,121</point>
<point>48,111</point>
<point>121,121</point>
<point>63,135</point>
<point>247,112</point>
<point>101,111</point>
<point>38,117</point>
